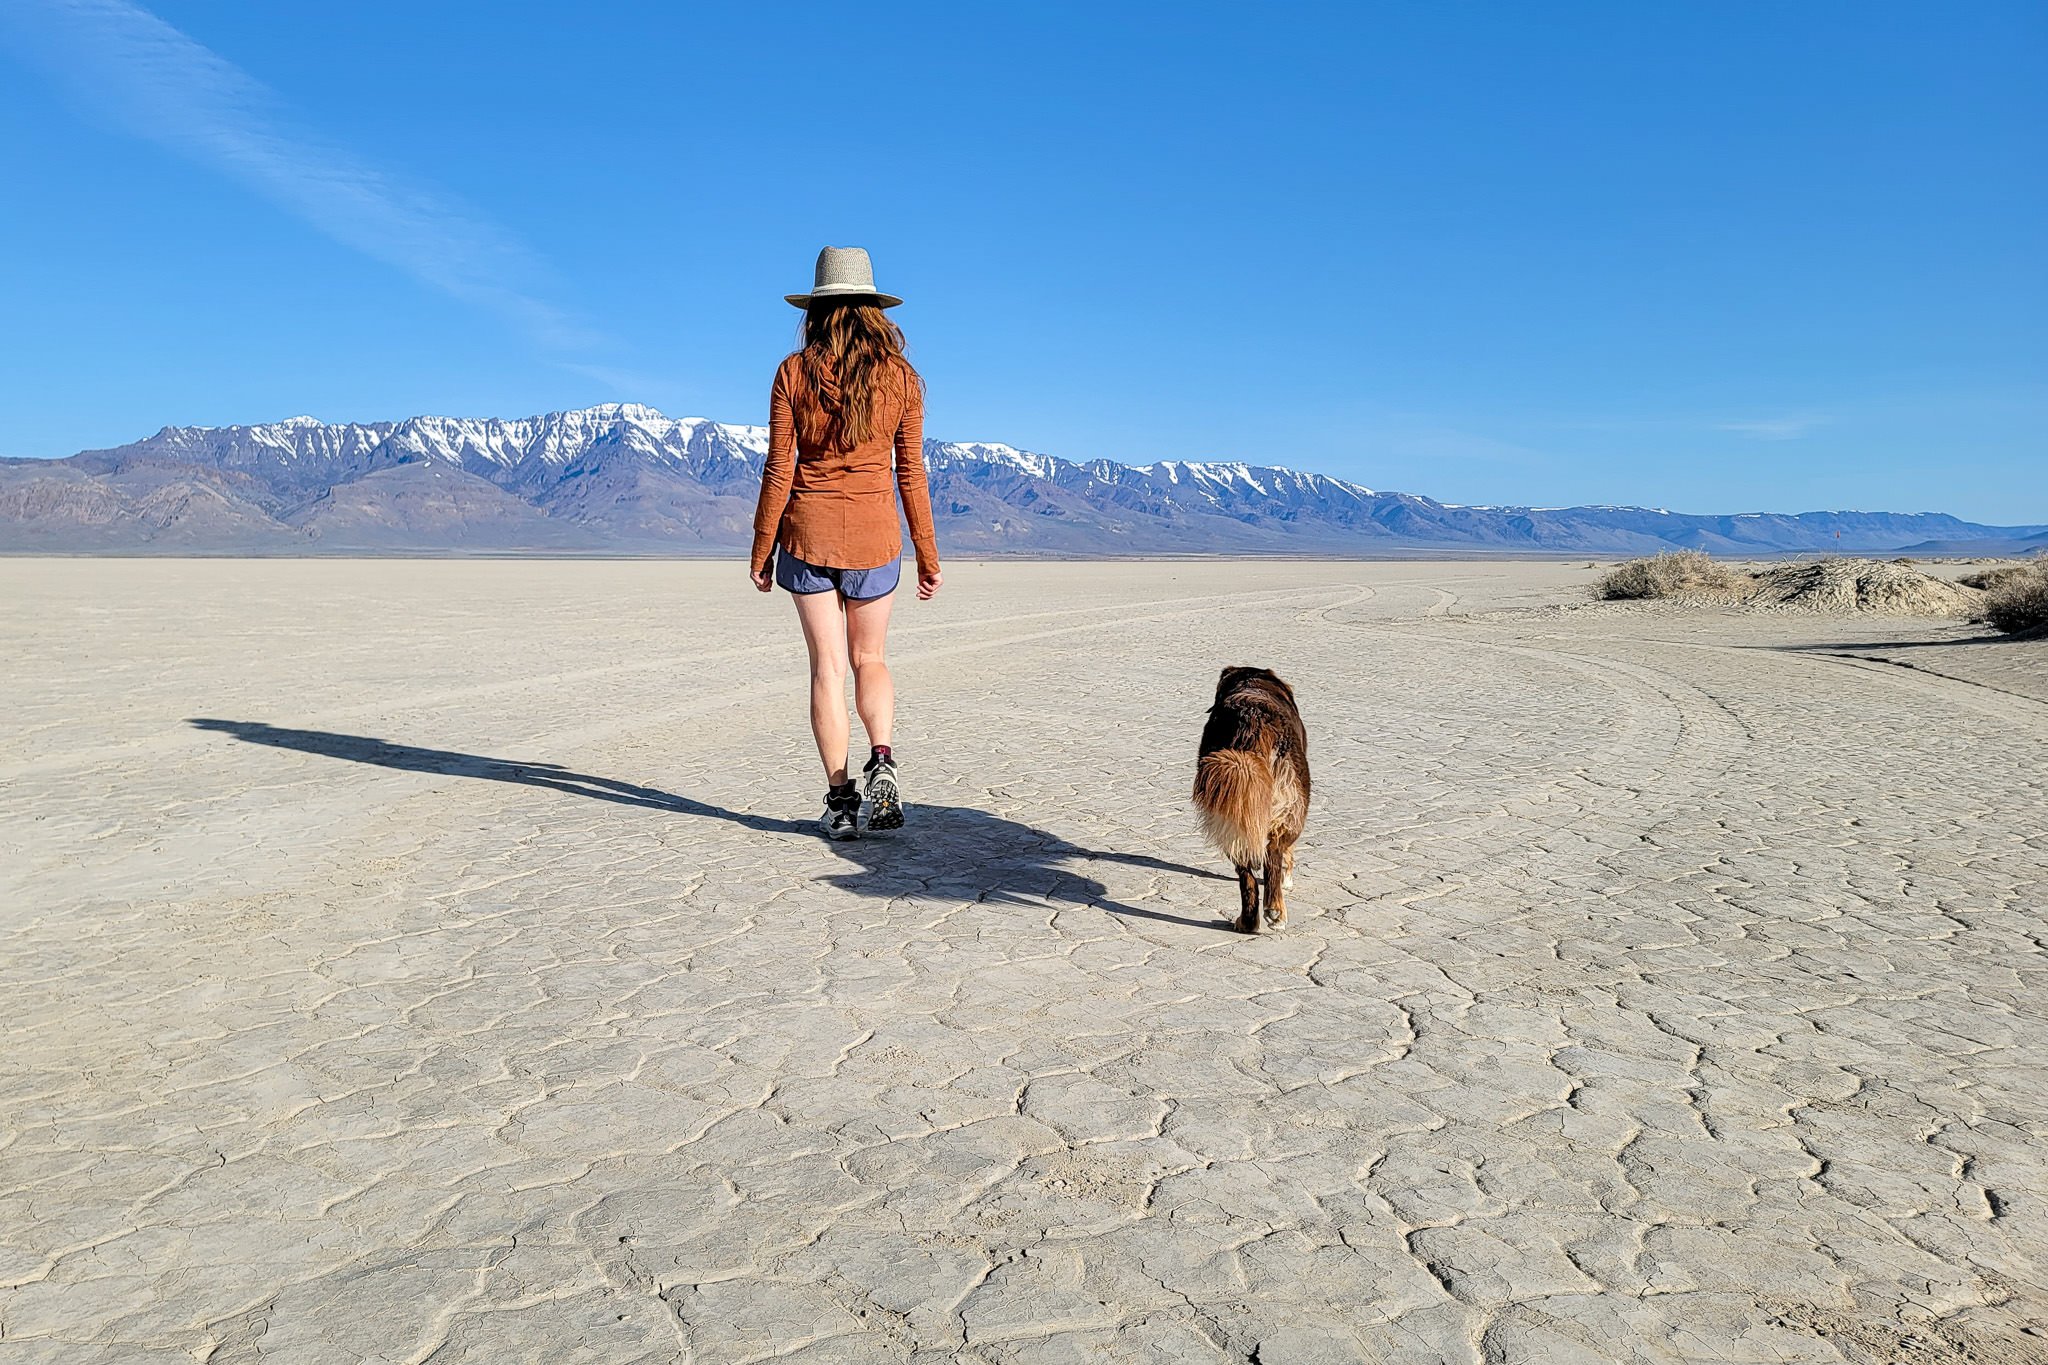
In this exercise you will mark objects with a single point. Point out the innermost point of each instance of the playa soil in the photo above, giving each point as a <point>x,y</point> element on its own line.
<point>1661,984</point>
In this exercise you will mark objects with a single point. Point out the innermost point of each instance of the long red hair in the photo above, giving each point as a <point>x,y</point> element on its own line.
<point>852,354</point>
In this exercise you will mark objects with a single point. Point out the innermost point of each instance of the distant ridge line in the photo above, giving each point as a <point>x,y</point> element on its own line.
<point>626,478</point>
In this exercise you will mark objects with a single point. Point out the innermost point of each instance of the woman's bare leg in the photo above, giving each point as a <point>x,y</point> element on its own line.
<point>825,630</point>
<point>874,691</point>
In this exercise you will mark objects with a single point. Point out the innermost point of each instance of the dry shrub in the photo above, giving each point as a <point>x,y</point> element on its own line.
<point>1990,578</point>
<point>2018,603</point>
<point>1674,573</point>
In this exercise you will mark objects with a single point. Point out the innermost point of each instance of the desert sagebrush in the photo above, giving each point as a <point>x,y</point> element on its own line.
<point>2018,602</point>
<point>1675,573</point>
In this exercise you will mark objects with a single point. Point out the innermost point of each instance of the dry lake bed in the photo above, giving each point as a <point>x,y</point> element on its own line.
<point>412,961</point>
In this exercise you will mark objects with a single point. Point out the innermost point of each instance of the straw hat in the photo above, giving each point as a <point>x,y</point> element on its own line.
<point>844,272</point>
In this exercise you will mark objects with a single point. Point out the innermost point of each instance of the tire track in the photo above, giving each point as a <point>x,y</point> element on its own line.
<point>2031,710</point>
<point>172,740</point>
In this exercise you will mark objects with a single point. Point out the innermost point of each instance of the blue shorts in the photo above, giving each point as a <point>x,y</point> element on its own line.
<point>856,585</point>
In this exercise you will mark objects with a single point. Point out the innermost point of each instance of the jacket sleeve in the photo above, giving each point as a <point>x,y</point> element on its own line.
<point>777,472</point>
<point>910,480</point>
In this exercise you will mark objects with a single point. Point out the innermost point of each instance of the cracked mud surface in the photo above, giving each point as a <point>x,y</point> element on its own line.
<point>1657,987</point>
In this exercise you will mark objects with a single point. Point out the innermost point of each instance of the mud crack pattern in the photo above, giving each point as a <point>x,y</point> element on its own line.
<point>471,988</point>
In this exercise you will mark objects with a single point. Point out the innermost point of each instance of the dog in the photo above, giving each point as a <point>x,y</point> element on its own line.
<point>1251,787</point>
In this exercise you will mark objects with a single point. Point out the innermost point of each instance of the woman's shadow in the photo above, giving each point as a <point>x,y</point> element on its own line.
<point>953,851</point>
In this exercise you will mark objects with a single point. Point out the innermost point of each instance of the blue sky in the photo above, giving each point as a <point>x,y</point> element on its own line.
<point>1712,257</point>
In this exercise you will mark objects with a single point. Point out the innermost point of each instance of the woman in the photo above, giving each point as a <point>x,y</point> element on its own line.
<point>846,410</point>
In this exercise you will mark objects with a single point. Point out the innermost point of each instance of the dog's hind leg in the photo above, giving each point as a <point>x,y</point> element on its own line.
<point>1279,858</point>
<point>1248,899</point>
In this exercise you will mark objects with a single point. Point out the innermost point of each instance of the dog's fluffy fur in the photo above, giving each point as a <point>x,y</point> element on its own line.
<point>1251,787</point>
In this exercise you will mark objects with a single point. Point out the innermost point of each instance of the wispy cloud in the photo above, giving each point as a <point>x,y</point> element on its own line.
<point>1788,427</point>
<point>128,66</point>
<point>1774,428</point>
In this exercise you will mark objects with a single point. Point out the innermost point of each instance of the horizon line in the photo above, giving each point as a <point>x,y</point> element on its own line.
<point>617,406</point>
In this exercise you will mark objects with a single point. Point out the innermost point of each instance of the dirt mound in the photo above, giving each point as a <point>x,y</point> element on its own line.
<point>1851,585</point>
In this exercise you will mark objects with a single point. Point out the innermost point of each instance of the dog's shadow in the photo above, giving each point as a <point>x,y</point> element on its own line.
<point>956,852</point>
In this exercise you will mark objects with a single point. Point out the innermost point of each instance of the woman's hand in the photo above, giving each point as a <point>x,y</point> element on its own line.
<point>927,585</point>
<point>764,581</point>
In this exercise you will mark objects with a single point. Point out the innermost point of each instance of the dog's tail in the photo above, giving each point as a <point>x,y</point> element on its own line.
<point>1234,794</point>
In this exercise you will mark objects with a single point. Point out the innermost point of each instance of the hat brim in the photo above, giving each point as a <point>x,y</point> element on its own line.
<point>804,300</point>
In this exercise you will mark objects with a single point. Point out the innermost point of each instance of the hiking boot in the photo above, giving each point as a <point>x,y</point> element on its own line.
<point>841,819</point>
<point>885,800</point>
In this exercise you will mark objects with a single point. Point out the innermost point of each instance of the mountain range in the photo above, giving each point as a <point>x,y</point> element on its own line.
<point>624,479</point>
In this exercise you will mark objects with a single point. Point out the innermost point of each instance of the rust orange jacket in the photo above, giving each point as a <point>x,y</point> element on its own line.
<point>837,508</point>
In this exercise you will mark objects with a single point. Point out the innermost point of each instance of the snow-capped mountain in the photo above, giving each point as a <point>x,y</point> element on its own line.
<point>624,477</point>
